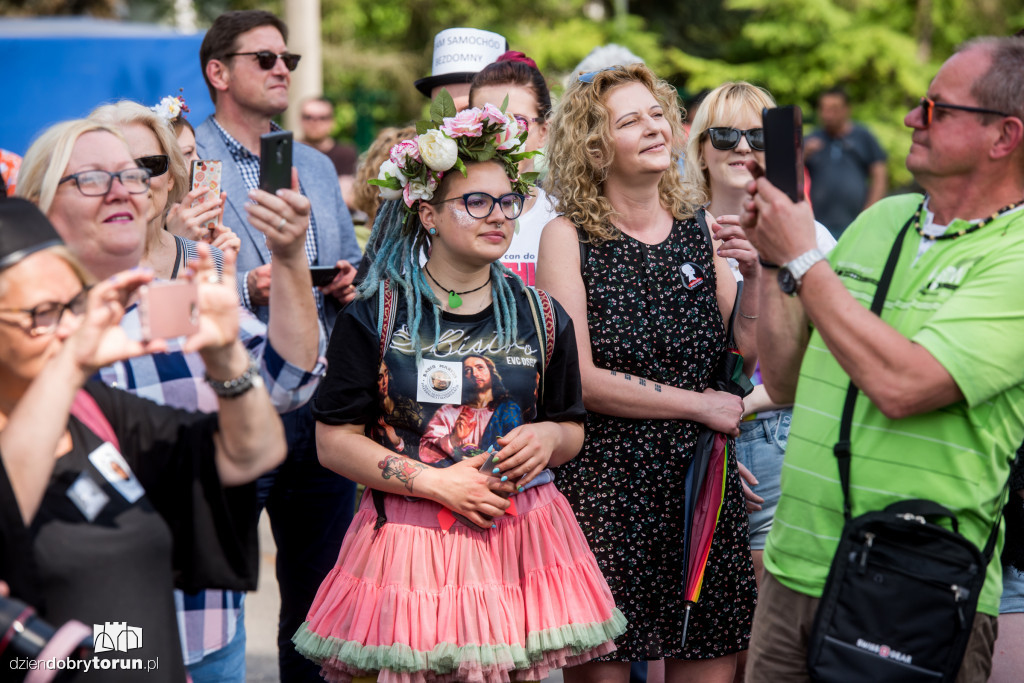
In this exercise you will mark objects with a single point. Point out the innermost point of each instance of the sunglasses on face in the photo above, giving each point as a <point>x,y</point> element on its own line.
<point>156,164</point>
<point>267,59</point>
<point>98,183</point>
<point>480,204</point>
<point>44,318</point>
<point>727,138</point>
<point>928,107</point>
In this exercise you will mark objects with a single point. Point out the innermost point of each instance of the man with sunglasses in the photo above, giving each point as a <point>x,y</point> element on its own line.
<point>247,67</point>
<point>845,162</point>
<point>940,371</point>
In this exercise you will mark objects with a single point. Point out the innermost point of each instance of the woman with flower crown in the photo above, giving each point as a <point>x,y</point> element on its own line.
<point>468,564</point>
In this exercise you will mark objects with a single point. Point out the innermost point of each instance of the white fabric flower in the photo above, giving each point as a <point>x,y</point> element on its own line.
<point>439,151</point>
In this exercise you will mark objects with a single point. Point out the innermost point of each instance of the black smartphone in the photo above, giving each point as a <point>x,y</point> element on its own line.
<point>323,275</point>
<point>784,149</point>
<point>276,160</point>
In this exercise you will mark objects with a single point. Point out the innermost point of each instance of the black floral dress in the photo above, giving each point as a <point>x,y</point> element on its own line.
<point>653,314</point>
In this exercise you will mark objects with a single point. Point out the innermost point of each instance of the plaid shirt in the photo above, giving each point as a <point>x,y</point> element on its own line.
<point>207,620</point>
<point>249,167</point>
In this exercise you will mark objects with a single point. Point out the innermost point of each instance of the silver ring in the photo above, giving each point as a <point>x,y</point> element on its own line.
<point>280,226</point>
<point>213,279</point>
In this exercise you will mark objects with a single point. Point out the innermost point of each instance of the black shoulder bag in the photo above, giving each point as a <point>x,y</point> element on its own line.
<point>902,591</point>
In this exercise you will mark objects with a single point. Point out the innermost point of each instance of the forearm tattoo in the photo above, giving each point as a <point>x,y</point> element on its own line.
<point>640,380</point>
<point>402,469</point>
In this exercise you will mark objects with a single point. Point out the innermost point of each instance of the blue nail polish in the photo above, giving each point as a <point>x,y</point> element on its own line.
<point>504,478</point>
<point>521,489</point>
<point>495,470</point>
<point>494,526</point>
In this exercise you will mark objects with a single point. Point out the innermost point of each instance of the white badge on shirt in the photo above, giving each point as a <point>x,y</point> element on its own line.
<point>439,382</point>
<point>115,470</point>
<point>87,496</point>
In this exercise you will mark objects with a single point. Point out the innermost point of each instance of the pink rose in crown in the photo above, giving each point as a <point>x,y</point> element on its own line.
<point>491,114</point>
<point>508,137</point>
<point>466,123</point>
<point>404,151</point>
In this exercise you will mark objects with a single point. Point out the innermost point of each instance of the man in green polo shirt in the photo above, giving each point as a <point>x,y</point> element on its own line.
<point>941,373</point>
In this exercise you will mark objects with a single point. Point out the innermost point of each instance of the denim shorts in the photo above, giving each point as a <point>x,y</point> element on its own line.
<point>1013,590</point>
<point>760,447</point>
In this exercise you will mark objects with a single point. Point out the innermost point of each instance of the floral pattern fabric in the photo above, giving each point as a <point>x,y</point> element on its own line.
<point>652,313</point>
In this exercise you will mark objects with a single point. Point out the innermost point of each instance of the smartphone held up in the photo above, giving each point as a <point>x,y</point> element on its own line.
<point>276,160</point>
<point>206,173</point>
<point>169,309</point>
<point>784,149</point>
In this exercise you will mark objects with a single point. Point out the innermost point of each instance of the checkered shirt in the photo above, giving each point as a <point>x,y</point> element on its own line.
<point>249,167</point>
<point>207,620</point>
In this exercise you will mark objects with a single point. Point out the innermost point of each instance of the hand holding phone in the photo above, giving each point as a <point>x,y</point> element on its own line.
<point>168,309</point>
<point>784,149</point>
<point>206,173</point>
<point>276,160</point>
<point>323,275</point>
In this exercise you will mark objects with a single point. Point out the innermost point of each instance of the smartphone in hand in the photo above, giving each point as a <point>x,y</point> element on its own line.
<point>168,309</point>
<point>276,160</point>
<point>206,173</point>
<point>784,149</point>
<point>323,275</point>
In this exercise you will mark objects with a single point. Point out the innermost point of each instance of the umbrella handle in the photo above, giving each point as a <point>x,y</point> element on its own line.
<point>686,622</point>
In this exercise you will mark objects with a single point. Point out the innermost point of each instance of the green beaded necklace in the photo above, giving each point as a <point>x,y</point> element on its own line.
<point>953,235</point>
<point>455,298</point>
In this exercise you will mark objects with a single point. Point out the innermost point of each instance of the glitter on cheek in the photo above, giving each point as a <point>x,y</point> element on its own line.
<point>462,217</point>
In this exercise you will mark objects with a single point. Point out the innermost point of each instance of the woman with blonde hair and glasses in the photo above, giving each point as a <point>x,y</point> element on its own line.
<point>154,145</point>
<point>634,268</point>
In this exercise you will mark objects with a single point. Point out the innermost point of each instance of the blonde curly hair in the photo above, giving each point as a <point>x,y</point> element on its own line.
<point>720,107</point>
<point>366,197</point>
<point>580,150</point>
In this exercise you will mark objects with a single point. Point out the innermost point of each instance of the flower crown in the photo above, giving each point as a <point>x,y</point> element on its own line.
<point>450,140</point>
<point>170,107</point>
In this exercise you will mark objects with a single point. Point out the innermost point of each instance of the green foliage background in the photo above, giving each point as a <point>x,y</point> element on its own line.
<point>882,51</point>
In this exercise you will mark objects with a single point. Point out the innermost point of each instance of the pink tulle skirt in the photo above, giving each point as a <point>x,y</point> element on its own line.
<point>419,604</point>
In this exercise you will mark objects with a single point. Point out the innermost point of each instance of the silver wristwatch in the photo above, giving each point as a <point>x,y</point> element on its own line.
<point>792,273</point>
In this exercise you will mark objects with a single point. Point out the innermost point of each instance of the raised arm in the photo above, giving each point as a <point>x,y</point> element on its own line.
<point>607,391</point>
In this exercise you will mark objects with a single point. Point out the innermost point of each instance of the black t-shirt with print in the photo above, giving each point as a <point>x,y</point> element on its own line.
<point>464,393</point>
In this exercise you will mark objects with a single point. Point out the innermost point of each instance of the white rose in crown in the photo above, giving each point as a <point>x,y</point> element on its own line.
<point>438,151</point>
<point>389,170</point>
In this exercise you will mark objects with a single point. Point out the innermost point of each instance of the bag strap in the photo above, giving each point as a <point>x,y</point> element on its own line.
<point>85,408</point>
<point>842,447</point>
<point>177,256</point>
<point>704,226</point>
<point>385,331</point>
<point>540,309</point>
<point>584,241</point>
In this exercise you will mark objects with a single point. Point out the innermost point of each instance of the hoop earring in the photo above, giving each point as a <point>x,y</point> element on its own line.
<point>432,231</point>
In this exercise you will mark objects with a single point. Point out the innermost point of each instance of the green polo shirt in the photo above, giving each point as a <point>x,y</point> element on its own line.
<point>963,300</point>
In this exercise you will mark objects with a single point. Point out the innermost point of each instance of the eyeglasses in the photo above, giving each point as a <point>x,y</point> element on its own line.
<point>928,107</point>
<point>45,317</point>
<point>313,117</point>
<point>591,75</point>
<point>480,204</point>
<point>268,59</point>
<point>98,183</point>
<point>156,164</point>
<point>728,138</point>
<point>524,122</point>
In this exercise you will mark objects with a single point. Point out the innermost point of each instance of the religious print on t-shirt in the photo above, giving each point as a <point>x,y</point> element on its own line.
<point>463,394</point>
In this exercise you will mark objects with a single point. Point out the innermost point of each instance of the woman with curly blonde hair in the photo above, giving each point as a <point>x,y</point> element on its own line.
<point>633,266</point>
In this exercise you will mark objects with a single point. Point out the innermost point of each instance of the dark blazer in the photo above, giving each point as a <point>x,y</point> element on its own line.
<point>335,236</point>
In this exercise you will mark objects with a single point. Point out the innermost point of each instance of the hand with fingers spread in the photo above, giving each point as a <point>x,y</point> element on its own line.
<point>218,305</point>
<point>190,221</point>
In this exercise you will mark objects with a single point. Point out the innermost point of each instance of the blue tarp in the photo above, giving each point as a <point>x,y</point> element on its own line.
<point>61,68</point>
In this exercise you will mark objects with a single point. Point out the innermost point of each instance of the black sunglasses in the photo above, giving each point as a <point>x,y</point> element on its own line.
<point>156,164</point>
<point>268,59</point>
<point>928,107</point>
<point>728,138</point>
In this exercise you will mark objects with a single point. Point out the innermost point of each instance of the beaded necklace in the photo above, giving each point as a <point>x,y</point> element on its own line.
<point>972,228</point>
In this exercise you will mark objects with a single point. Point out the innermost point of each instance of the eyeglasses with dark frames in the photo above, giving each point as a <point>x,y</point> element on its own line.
<point>156,164</point>
<point>480,204</point>
<point>44,318</point>
<point>725,138</point>
<point>928,107</point>
<point>97,183</point>
<point>267,59</point>
<point>525,121</point>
